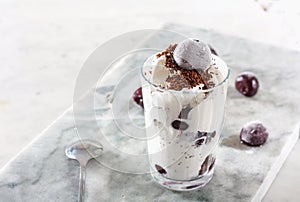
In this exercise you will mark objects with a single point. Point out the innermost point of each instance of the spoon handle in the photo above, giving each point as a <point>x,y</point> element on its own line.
<point>81,183</point>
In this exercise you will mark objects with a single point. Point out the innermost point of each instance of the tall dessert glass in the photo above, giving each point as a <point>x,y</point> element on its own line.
<point>183,128</point>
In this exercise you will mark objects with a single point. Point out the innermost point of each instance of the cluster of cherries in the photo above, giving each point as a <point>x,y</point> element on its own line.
<point>252,134</point>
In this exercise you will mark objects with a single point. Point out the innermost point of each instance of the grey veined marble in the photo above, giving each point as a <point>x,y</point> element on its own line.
<point>43,173</point>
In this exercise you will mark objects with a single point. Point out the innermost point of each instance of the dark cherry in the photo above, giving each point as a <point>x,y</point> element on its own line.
<point>210,136</point>
<point>247,84</point>
<point>212,50</point>
<point>160,169</point>
<point>193,186</point>
<point>200,138</point>
<point>204,166</point>
<point>254,134</point>
<point>204,138</point>
<point>179,125</point>
<point>138,97</point>
<point>212,164</point>
<point>199,142</point>
<point>185,112</point>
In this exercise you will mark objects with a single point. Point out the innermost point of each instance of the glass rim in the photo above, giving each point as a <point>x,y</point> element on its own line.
<point>186,89</point>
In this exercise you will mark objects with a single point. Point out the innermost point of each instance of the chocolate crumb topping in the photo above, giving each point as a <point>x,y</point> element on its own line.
<point>185,78</point>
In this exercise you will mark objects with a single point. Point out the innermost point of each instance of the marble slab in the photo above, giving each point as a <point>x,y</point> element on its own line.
<point>43,173</point>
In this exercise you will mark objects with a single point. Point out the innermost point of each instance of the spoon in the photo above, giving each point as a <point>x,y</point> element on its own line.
<point>83,151</point>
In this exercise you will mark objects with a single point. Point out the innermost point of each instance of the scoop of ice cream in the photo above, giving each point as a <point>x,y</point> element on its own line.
<point>192,54</point>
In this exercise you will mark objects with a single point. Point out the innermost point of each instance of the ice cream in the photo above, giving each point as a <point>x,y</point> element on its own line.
<point>192,54</point>
<point>184,109</point>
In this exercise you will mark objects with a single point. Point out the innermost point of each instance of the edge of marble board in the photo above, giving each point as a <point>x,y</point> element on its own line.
<point>273,172</point>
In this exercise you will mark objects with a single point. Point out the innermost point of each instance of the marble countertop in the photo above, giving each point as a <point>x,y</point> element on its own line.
<point>43,45</point>
<point>42,172</point>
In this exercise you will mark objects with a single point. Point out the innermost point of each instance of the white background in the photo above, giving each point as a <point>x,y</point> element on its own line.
<point>44,43</point>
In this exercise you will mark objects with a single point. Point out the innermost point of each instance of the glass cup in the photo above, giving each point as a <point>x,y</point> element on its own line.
<point>183,129</point>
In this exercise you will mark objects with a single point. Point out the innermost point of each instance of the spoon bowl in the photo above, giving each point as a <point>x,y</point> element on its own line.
<point>83,151</point>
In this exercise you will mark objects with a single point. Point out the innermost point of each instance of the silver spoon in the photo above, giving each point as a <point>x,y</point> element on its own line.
<point>83,151</point>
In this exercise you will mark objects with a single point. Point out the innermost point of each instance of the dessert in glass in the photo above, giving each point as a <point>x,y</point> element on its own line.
<point>184,93</point>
